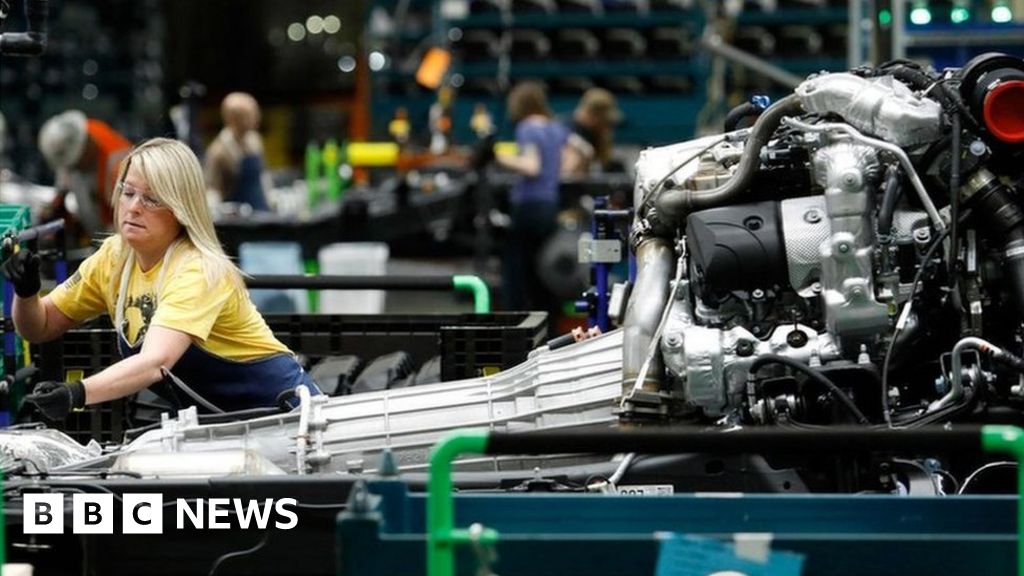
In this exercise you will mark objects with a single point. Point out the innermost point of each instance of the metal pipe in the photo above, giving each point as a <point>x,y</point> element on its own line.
<point>655,259</point>
<point>674,204</point>
<point>41,230</point>
<point>475,285</point>
<point>302,435</point>
<point>922,193</point>
<point>956,389</point>
<point>716,45</point>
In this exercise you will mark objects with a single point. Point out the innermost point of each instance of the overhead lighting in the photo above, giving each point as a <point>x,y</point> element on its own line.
<point>959,14</point>
<point>1001,13</point>
<point>346,64</point>
<point>920,15</point>
<point>377,60</point>
<point>332,24</point>
<point>296,32</point>
<point>315,24</point>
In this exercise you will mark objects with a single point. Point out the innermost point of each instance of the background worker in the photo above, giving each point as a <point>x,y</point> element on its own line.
<point>76,147</point>
<point>234,160</point>
<point>534,199</point>
<point>589,146</point>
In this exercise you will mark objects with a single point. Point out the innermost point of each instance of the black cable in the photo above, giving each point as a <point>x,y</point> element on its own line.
<point>918,276</point>
<point>892,190</point>
<point>813,375</point>
<point>954,196</point>
<point>239,553</point>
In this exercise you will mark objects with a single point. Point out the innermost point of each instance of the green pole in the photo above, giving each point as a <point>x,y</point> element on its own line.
<point>312,175</point>
<point>481,294</point>
<point>312,266</point>
<point>1010,439</point>
<point>441,534</point>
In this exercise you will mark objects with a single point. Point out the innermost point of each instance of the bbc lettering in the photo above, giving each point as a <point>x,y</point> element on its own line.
<point>144,513</point>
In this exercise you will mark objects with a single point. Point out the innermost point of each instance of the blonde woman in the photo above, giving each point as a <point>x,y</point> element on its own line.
<point>177,301</point>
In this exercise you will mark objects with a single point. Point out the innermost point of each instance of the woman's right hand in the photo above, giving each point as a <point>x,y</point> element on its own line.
<point>22,270</point>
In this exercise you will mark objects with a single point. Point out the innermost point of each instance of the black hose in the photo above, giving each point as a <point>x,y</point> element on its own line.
<point>954,195</point>
<point>674,204</point>
<point>893,189</point>
<point>737,114</point>
<point>1003,218</point>
<point>813,375</point>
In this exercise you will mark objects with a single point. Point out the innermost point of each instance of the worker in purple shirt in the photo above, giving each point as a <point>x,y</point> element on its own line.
<point>534,200</point>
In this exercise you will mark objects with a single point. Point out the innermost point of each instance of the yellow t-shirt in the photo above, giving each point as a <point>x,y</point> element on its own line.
<point>222,321</point>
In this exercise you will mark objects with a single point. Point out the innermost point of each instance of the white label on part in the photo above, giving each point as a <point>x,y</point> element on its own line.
<point>645,490</point>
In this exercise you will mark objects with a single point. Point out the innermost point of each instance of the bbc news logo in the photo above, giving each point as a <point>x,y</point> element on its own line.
<point>144,513</point>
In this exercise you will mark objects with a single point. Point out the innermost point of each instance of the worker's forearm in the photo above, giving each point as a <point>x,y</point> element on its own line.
<point>30,318</point>
<point>121,379</point>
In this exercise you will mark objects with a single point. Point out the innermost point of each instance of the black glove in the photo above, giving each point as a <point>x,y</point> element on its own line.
<point>483,152</point>
<point>56,399</point>
<point>22,270</point>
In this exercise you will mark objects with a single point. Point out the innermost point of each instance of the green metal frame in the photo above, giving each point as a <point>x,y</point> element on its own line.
<point>1010,439</point>
<point>442,536</point>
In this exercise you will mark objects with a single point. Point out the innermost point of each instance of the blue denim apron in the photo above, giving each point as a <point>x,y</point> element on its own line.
<point>227,384</point>
<point>249,185</point>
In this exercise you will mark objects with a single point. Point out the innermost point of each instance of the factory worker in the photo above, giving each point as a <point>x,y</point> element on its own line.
<point>234,160</point>
<point>176,299</point>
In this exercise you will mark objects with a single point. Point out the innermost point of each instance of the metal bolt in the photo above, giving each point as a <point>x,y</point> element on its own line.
<point>977,148</point>
<point>757,294</point>
<point>755,329</point>
<point>673,340</point>
<point>816,287</point>
<point>812,216</point>
<point>922,235</point>
<point>857,291</point>
<point>744,348</point>
<point>843,247</point>
<point>796,339</point>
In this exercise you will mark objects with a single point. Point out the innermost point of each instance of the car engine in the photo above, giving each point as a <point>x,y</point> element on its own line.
<point>856,256</point>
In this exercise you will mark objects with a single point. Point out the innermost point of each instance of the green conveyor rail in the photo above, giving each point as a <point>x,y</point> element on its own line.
<point>1010,439</point>
<point>443,536</point>
<point>476,286</point>
<point>481,293</point>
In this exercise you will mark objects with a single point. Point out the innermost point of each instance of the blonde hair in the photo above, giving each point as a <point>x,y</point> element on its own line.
<point>175,178</point>
<point>240,109</point>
